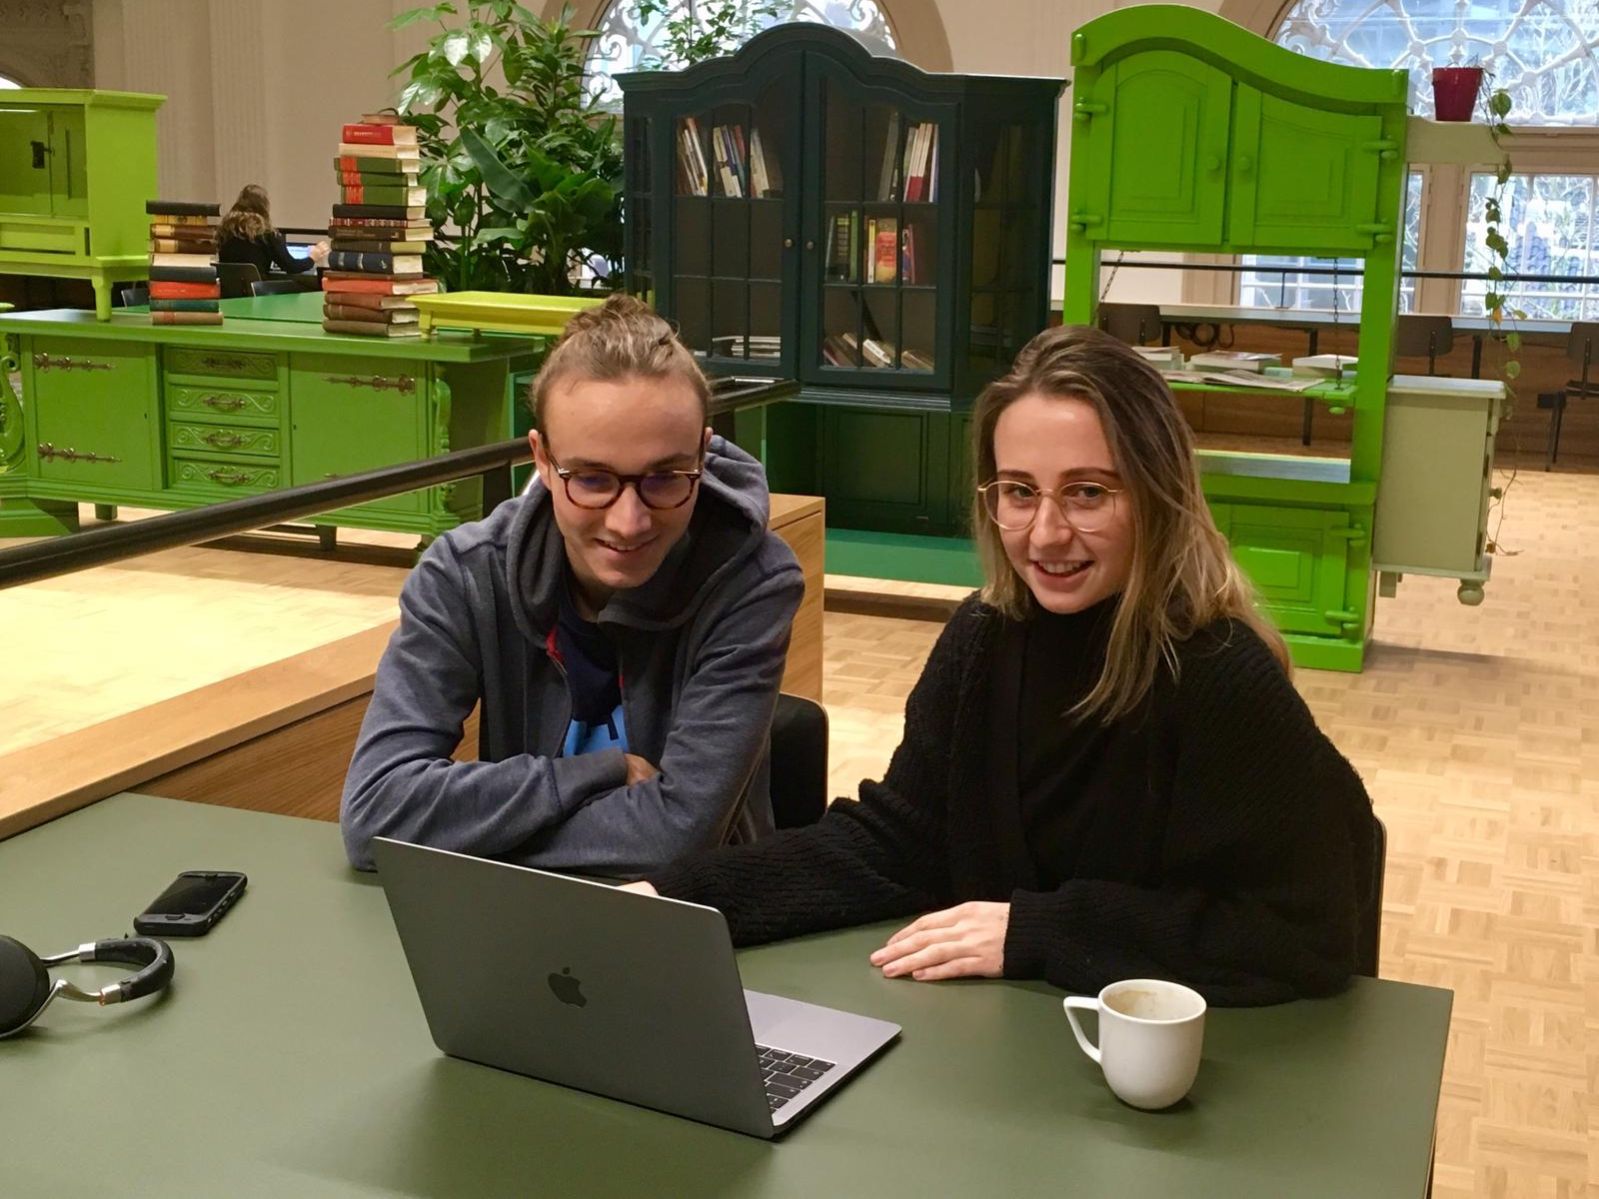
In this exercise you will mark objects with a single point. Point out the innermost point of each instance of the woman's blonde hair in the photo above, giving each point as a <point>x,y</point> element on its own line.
<point>620,338</point>
<point>1183,576</point>
<point>250,217</point>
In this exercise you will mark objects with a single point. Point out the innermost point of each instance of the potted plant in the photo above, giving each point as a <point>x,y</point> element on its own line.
<point>1454,92</point>
<point>523,172</point>
<point>1498,246</point>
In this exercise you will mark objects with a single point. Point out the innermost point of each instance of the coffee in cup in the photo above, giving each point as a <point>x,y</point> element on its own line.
<point>1150,1035</point>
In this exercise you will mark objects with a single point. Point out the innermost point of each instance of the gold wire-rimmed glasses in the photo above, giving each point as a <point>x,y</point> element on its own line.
<point>1013,505</point>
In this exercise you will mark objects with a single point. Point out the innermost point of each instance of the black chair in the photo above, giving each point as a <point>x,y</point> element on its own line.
<point>276,287</point>
<point>130,295</point>
<point>1136,324</point>
<point>1580,348</point>
<point>1368,947</point>
<point>799,762</point>
<point>236,278</point>
<point>1417,333</point>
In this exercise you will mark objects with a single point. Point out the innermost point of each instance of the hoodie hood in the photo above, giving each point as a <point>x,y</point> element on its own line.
<point>729,524</point>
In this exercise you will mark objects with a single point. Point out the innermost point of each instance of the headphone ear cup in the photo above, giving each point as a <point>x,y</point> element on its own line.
<point>24,984</point>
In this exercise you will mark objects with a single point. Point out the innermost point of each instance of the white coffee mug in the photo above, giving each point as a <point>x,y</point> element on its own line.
<point>1150,1036</point>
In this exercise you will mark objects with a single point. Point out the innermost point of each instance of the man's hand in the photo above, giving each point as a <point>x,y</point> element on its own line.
<point>639,770</point>
<point>642,887</point>
<point>958,942</point>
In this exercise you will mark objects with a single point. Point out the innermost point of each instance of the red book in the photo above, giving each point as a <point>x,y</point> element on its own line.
<point>379,285</point>
<point>185,291</point>
<point>379,135</point>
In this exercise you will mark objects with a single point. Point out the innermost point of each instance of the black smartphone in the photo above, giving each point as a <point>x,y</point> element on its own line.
<point>192,904</point>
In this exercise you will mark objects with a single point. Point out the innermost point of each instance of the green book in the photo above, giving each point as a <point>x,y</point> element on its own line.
<point>183,306</point>
<point>372,166</point>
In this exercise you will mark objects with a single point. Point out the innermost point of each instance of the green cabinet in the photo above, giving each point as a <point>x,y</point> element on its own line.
<point>350,417</point>
<point>1157,147</point>
<point>76,168</point>
<point>1190,134</point>
<point>95,430</point>
<point>125,412</point>
<point>807,209</point>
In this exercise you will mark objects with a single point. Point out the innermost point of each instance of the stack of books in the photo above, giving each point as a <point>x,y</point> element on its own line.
<point>738,168</point>
<point>1234,360</point>
<point>183,272</point>
<point>379,232</point>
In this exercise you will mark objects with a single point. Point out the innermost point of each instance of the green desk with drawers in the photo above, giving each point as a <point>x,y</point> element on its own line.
<point>125,412</point>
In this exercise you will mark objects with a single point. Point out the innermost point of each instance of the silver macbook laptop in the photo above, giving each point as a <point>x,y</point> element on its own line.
<point>625,995</point>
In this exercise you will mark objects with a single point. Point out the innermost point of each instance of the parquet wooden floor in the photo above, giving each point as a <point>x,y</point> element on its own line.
<point>1477,732</point>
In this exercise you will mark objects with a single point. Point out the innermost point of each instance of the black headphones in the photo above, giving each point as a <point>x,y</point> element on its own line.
<point>26,990</point>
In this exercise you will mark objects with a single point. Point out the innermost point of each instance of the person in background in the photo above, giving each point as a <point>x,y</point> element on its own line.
<point>246,235</point>
<point>623,628</point>
<point>1106,772</point>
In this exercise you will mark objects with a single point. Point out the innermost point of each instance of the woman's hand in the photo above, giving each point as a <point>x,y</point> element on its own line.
<point>319,253</point>
<point>959,942</point>
<point>639,770</point>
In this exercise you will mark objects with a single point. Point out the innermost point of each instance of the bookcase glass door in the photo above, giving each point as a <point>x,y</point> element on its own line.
<point>731,228</point>
<point>1008,223</point>
<point>879,250</point>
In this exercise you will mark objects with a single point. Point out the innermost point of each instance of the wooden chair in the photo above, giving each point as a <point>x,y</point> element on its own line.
<point>236,278</point>
<point>799,762</point>
<point>1370,943</point>
<point>1136,324</point>
<point>1417,333</point>
<point>276,287</point>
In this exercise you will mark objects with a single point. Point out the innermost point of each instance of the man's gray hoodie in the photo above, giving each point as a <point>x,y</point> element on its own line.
<point>700,650</point>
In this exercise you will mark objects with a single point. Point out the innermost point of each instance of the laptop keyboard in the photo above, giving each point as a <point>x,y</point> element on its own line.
<point>786,1074</point>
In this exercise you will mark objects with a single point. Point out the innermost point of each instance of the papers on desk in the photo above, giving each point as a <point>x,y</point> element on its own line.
<point>1235,360</point>
<point>1162,357</point>
<point>1244,379</point>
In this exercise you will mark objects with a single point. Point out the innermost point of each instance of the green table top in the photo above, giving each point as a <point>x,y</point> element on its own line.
<point>300,307</point>
<point>269,335</point>
<point>291,1058</point>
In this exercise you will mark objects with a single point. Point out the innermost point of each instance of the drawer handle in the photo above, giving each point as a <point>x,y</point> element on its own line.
<point>48,451</point>
<point>223,403</point>
<point>212,362</point>
<point>227,478</point>
<point>376,382</point>
<point>223,441</point>
<point>44,362</point>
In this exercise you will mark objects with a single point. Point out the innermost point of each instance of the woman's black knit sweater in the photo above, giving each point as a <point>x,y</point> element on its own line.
<point>1217,837</point>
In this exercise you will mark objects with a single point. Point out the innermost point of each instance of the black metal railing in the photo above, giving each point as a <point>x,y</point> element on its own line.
<point>49,557</point>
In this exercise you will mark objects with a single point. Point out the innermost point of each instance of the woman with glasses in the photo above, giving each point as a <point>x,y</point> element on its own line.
<point>622,629</point>
<point>1105,772</point>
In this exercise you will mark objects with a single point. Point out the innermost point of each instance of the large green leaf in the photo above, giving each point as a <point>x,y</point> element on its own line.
<point>498,177</point>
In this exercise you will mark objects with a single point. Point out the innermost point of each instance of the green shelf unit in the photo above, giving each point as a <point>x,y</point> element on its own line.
<point>1192,134</point>
<point>76,168</point>
<point>888,247</point>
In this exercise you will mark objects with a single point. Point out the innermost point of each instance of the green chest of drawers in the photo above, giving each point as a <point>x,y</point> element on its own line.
<point>122,412</point>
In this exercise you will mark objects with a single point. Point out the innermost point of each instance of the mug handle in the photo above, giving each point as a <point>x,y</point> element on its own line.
<point>1087,1004</point>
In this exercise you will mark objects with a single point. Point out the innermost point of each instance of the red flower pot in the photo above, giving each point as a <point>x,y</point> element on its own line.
<point>1454,92</point>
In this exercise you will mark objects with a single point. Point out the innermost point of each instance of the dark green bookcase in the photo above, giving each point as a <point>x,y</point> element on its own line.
<point>807,209</point>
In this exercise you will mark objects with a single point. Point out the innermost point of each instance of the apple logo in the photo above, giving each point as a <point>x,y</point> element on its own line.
<point>568,989</point>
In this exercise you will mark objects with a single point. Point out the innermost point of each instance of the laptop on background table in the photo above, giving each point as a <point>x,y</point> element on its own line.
<point>624,995</point>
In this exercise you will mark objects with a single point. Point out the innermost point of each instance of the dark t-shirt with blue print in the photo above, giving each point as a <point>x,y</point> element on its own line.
<point>592,680</point>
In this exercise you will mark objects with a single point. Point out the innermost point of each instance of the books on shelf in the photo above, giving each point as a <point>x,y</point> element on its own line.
<point>1162,357</point>
<point>184,288</point>
<point>1246,379</point>
<point>882,248</point>
<point>396,154</point>
<point>373,133</point>
<point>739,167</point>
<point>1234,360</point>
<point>748,345</point>
<point>1324,365</point>
<point>871,353</point>
<point>909,170</point>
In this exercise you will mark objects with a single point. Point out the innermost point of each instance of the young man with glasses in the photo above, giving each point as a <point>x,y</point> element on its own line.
<point>623,627</point>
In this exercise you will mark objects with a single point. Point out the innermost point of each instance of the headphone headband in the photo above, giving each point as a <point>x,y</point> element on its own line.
<point>26,990</point>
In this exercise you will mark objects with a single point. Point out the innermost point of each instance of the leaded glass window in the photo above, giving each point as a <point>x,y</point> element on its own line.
<point>625,43</point>
<point>1545,53</point>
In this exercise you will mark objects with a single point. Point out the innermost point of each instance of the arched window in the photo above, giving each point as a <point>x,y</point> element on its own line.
<point>1545,53</point>
<point>625,42</point>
